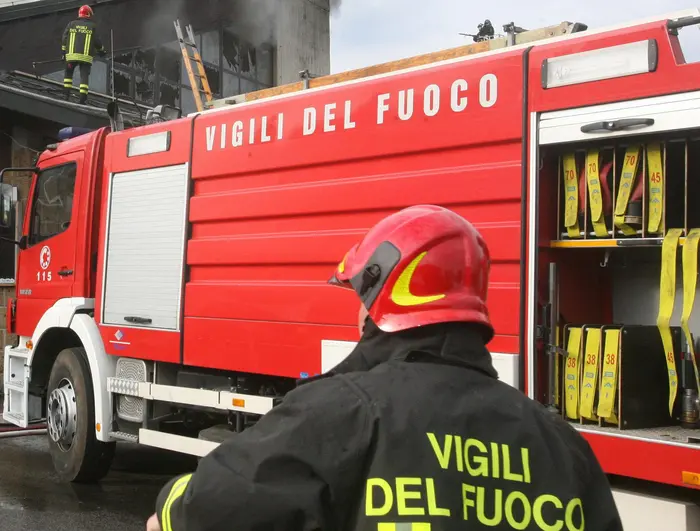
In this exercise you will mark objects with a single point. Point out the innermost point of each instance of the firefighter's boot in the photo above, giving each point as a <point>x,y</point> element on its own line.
<point>83,99</point>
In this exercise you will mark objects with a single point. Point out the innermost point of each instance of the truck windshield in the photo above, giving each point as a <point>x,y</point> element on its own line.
<point>53,202</point>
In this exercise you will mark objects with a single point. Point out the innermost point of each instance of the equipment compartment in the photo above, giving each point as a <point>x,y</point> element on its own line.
<point>626,190</point>
<point>617,258</point>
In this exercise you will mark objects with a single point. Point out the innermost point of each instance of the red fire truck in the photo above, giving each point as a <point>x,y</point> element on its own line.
<point>171,281</point>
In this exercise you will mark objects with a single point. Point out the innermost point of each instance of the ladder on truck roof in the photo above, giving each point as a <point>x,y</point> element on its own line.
<point>198,80</point>
<point>514,35</point>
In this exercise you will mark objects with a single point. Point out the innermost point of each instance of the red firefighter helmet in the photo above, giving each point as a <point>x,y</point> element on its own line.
<point>85,12</point>
<point>419,266</point>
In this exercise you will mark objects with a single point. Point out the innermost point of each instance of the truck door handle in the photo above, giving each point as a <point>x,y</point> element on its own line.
<point>616,125</point>
<point>137,320</point>
<point>65,272</point>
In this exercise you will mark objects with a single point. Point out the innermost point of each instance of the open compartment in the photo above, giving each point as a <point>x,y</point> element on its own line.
<point>618,234</point>
<point>622,190</point>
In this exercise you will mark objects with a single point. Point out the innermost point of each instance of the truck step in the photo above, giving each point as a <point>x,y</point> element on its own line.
<point>124,436</point>
<point>176,443</point>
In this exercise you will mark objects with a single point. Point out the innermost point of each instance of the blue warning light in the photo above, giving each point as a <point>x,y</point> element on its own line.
<point>72,132</point>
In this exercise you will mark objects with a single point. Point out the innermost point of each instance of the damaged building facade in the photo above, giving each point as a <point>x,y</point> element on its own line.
<point>246,45</point>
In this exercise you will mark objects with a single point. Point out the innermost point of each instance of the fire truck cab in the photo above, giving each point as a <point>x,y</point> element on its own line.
<point>171,281</point>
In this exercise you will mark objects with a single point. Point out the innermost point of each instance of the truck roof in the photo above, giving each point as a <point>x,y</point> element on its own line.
<point>443,57</point>
<point>71,144</point>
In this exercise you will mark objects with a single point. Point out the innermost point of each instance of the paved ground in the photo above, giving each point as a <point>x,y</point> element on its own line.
<point>32,498</point>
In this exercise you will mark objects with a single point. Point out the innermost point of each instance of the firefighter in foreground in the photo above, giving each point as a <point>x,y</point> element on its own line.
<point>79,44</point>
<point>413,430</point>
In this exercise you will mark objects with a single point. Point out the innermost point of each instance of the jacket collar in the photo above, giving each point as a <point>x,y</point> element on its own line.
<point>447,343</point>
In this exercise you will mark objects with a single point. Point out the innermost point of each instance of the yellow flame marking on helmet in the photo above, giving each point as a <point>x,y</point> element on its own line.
<point>401,292</point>
<point>341,265</point>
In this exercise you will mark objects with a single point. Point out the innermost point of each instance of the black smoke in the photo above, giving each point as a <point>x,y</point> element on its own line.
<point>142,23</point>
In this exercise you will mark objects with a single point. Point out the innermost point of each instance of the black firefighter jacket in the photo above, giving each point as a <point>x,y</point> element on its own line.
<point>80,41</point>
<point>412,432</point>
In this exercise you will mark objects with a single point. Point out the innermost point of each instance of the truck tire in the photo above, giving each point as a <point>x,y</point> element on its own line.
<point>77,455</point>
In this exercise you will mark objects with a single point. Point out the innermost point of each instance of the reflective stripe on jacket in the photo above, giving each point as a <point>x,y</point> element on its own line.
<point>80,41</point>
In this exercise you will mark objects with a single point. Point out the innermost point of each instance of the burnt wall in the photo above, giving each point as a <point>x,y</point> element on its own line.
<point>136,23</point>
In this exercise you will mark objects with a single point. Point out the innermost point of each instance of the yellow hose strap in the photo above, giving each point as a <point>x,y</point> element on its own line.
<point>590,373</point>
<point>572,373</point>
<point>595,194</point>
<point>656,188</point>
<point>690,276</point>
<point>557,371</point>
<point>608,380</point>
<point>571,195</point>
<point>629,172</point>
<point>176,491</point>
<point>667,296</point>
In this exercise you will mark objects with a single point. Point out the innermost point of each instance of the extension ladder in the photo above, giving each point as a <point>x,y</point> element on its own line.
<point>199,82</point>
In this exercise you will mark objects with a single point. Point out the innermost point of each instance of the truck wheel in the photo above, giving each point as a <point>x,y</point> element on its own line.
<point>77,455</point>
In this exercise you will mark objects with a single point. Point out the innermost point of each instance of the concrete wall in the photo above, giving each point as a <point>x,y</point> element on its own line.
<point>303,39</point>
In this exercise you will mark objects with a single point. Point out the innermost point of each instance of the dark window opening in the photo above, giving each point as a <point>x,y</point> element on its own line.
<point>123,58</point>
<point>248,60</point>
<point>231,49</point>
<point>169,94</point>
<point>158,75</point>
<point>144,90</point>
<point>213,78</point>
<point>122,84</point>
<point>168,64</point>
<point>145,60</point>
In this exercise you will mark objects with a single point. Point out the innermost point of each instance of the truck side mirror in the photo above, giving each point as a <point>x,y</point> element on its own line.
<point>8,208</point>
<point>8,215</point>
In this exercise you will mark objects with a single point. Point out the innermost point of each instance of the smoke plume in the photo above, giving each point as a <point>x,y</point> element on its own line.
<point>256,21</point>
<point>157,26</point>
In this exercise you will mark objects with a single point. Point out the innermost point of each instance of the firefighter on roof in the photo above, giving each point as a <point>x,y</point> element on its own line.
<point>413,431</point>
<point>79,44</point>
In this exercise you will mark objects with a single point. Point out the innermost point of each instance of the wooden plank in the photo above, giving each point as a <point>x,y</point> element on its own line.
<point>382,68</point>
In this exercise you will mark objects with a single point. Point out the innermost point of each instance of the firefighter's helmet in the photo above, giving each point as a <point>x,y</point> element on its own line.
<point>85,12</point>
<point>419,266</point>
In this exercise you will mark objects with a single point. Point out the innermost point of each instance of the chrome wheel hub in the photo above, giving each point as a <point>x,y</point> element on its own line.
<point>62,415</point>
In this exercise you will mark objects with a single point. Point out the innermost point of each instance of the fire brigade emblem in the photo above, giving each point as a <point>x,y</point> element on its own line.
<point>45,257</point>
